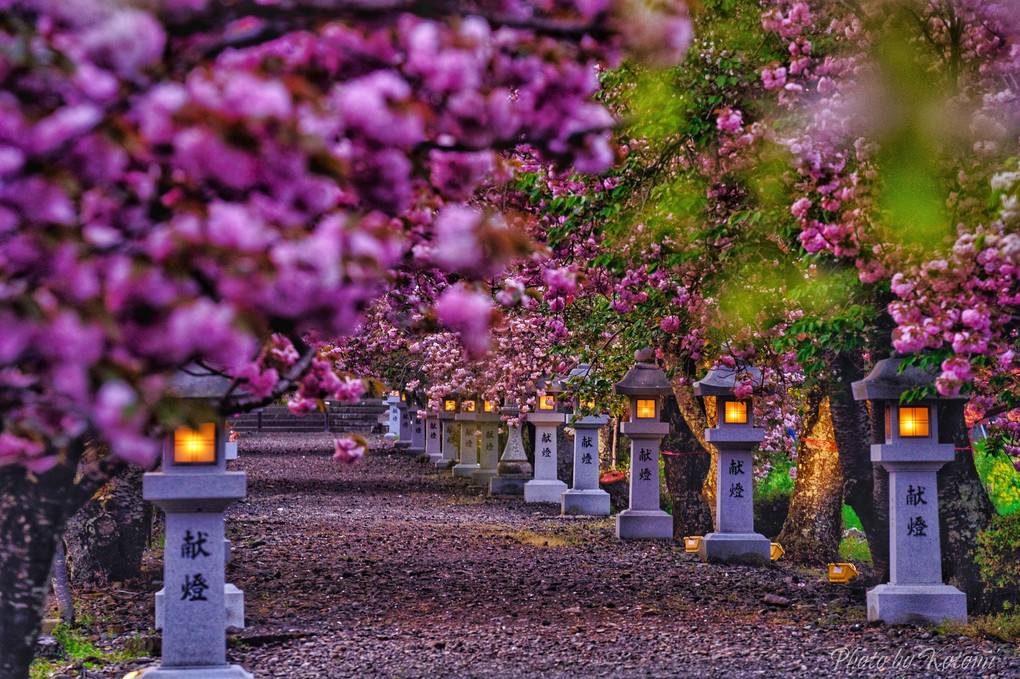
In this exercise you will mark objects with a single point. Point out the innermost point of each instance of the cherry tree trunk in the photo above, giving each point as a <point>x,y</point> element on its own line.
<point>851,421</point>
<point>814,526</point>
<point>33,512</point>
<point>106,539</point>
<point>964,509</point>
<point>685,476</point>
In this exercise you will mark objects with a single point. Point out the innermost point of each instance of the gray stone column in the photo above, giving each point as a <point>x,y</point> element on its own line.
<point>545,487</point>
<point>392,418</point>
<point>405,425</point>
<point>417,430</point>
<point>643,518</point>
<point>449,450</point>
<point>514,470</point>
<point>468,445</point>
<point>585,497</point>
<point>433,438</point>
<point>488,449</point>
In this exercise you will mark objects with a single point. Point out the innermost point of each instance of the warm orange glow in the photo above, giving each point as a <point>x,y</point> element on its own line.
<point>888,423</point>
<point>490,407</point>
<point>735,412</point>
<point>588,403</point>
<point>646,408</point>
<point>547,403</point>
<point>468,406</point>
<point>195,447</point>
<point>913,422</point>
<point>403,397</point>
<point>450,404</point>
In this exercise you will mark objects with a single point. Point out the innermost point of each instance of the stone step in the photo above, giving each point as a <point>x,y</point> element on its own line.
<point>360,417</point>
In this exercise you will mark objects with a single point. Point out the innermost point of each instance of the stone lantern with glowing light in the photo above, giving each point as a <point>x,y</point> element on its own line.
<point>467,417</point>
<point>908,448</point>
<point>417,424</point>
<point>488,418</point>
<point>404,430</point>
<point>433,437</point>
<point>735,437</point>
<point>585,497</point>
<point>546,417</point>
<point>449,407</point>
<point>644,385</point>
<point>194,490</point>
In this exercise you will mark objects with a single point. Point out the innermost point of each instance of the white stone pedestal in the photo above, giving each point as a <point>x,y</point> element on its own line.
<point>585,497</point>
<point>230,450</point>
<point>644,519</point>
<point>735,540</point>
<point>488,451</point>
<point>404,426</point>
<point>545,487</point>
<point>915,594</point>
<point>448,448</point>
<point>417,432</point>
<point>433,440</point>
<point>513,470</point>
<point>468,450</point>
<point>392,419</point>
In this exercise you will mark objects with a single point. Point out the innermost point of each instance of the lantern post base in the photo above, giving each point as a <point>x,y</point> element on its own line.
<point>197,672</point>
<point>750,549</point>
<point>644,524</point>
<point>481,477</point>
<point>916,604</point>
<point>465,470</point>
<point>594,502</point>
<point>508,485</point>
<point>544,490</point>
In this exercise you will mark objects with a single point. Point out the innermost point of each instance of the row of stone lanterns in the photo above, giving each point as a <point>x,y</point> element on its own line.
<point>194,489</point>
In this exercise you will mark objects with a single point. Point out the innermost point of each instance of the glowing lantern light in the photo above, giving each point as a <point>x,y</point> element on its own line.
<point>735,412</point>
<point>913,422</point>
<point>195,446</point>
<point>547,402</point>
<point>646,408</point>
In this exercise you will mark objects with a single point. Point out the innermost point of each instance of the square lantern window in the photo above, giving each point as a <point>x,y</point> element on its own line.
<point>489,407</point>
<point>547,402</point>
<point>468,406</point>
<point>645,408</point>
<point>195,446</point>
<point>403,398</point>
<point>735,412</point>
<point>914,422</point>
<point>449,405</point>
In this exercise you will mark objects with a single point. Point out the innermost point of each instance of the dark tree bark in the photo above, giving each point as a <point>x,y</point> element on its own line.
<point>851,421</point>
<point>964,508</point>
<point>879,543</point>
<point>34,509</point>
<point>814,526</point>
<point>106,539</point>
<point>686,471</point>
<point>62,584</point>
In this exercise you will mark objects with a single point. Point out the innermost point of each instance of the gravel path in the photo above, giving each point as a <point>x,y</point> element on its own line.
<point>392,569</point>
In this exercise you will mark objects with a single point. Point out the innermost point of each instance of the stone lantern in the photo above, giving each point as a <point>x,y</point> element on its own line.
<point>488,417</point>
<point>644,385</point>
<point>735,437</point>
<point>585,497</point>
<point>404,409</point>
<point>433,437</point>
<point>514,470</point>
<point>194,490</point>
<point>910,451</point>
<point>546,417</point>
<point>467,416</point>
<point>416,424</point>
<point>448,410</point>
<point>392,416</point>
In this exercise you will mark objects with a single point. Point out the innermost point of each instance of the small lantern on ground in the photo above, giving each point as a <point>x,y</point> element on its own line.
<point>645,385</point>
<point>547,417</point>
<point>910,451</point>
<point>488,417</point>
<point>513,470</point>
<point>585,497</point>
<point>734,437</point>
<point>467,416</point>
<point>449,407</point>
<point>194,490</point>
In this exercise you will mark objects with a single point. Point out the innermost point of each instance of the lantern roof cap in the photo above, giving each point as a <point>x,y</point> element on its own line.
<point>645,378</point>
<point>721,380</point>
<point>885,381</point>
<point>200,383</point>
<point>549,384</point>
